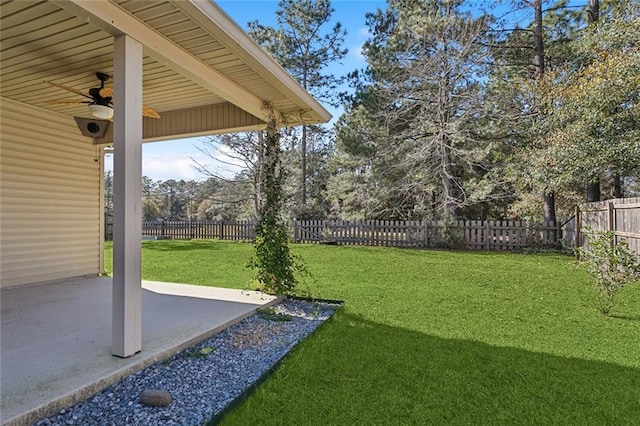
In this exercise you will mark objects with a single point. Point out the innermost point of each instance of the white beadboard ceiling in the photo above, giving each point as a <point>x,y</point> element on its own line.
<point>49,40</point>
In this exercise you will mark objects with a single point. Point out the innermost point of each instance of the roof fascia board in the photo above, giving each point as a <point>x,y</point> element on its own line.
<point>206,12</point>
<point>116,21</point>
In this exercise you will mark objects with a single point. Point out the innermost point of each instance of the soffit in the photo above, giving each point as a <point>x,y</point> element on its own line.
<point>43,41</point>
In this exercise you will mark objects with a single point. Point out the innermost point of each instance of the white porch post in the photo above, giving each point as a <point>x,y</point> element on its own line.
<point>127,194</point>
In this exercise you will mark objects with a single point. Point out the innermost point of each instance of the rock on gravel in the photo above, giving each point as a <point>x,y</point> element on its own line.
<point>155,398</point>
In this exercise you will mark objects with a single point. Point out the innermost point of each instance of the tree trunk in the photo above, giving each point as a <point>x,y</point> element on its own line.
<point>548,196</point>
<point>593,191</point>
<point>303,167</point>
<point>549,207</point>
<point>539,41</point>
<point>450,207</point>
<point>257,176</point>
<point>617,187</point>
<point>434,205</point>
<point>593,11</point>
<point>593,187</point>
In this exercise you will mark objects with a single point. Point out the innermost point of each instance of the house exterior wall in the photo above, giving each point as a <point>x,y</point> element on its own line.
<point>50,186</point>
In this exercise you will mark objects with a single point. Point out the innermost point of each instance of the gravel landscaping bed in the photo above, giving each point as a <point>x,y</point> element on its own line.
<point>206,378</point>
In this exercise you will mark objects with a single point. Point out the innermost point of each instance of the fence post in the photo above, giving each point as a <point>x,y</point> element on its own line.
<point>611,222</point>
<point>576,234</point>
<point>295,230</point>
<point>424,225</point>
<point>486,234</point>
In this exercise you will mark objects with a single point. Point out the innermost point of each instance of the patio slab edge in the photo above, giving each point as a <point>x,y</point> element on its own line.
<point>84,392</point>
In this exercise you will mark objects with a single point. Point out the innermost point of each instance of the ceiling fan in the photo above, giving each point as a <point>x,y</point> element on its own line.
<point>100,99</point>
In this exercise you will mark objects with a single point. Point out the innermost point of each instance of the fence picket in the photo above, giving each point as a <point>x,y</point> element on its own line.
<point>474,234</point>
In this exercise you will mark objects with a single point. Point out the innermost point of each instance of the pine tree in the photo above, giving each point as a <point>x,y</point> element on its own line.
<point>304,46</point>
<point>426,63</point>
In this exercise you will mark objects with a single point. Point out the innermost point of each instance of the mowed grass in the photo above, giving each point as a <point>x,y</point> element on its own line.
<point>435,337</point>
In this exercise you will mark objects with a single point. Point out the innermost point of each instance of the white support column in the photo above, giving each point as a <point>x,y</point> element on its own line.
<point>127,197</point>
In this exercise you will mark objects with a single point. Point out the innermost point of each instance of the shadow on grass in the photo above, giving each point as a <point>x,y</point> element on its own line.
<point>626,317</point>
<point>184,245</point>
<point>355,371</point>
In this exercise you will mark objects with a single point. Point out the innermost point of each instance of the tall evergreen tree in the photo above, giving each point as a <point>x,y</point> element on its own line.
<point>426,64</point>
<point>304,46</point>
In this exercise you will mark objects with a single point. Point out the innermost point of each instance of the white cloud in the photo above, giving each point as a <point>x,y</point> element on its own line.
<point>162,164</point>
<point>364,32</point>
<point>170,165</point>
<point>363,35</point>
<point>224,155</point>
<point>357,52</point>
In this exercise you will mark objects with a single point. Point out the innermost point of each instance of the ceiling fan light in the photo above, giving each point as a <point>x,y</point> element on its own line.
<point>101,111</point>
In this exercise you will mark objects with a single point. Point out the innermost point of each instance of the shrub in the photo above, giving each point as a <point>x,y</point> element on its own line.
<point>612,266</point>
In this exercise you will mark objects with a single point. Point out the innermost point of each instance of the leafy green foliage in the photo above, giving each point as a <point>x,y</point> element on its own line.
<point>274,265</point>
<point>611,264</point>
<point>583,116</point>
<point>272,261</point>
<point>593,104</point>
<point>202,353</point>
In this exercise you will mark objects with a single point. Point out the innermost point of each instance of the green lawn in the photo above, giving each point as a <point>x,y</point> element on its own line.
<point>434,337</point>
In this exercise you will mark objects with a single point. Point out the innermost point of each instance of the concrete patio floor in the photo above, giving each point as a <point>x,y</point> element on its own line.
<point>55,338</point>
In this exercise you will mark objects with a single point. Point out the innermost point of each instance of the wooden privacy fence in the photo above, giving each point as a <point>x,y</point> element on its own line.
<point>475,235</point>
<point>190,229</point>
<point>621,216</point>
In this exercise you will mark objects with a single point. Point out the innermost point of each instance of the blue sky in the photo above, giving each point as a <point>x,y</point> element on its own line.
<point>172,159</point>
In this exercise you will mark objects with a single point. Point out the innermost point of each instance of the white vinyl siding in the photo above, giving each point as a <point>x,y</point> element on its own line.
<point>49,197</point>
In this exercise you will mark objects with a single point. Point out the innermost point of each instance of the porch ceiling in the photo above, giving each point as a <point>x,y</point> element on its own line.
<point>68,41</point>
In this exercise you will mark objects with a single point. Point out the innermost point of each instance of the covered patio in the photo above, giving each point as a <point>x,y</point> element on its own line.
<point>78,76</point>
<point>56,337</point>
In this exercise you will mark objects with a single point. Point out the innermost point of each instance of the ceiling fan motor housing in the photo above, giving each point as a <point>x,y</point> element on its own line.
<point>97,99</point>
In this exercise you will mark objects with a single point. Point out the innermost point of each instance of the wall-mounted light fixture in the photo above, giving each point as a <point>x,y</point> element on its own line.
<point>91,127</point>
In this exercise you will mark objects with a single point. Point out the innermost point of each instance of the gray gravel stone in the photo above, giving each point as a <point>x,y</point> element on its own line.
<point>202,382</point>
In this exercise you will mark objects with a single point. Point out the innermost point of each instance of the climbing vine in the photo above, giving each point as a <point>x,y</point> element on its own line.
<point>274,265</point>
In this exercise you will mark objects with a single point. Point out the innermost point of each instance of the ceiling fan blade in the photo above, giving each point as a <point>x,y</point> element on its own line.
<point>106,92</point>
<point>149,112</point>
<point>67,101</point>
<point>70,89</point>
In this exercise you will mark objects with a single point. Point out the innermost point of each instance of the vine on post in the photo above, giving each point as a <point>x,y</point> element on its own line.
<point>272,262</point>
